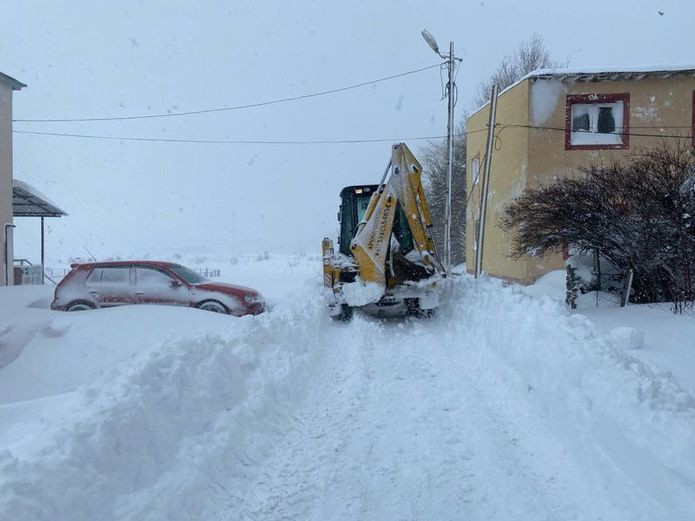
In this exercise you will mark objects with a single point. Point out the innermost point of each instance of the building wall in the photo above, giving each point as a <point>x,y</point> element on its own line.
<point>5,174</point>
<point>655,104</point>
<point>508,177</point>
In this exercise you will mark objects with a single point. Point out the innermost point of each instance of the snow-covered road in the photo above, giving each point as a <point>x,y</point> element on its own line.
<point>503,406</point>
<point>396,427</point>
<point>439,420</point>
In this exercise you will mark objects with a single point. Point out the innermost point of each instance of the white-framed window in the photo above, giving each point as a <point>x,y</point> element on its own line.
<point>596,121</point>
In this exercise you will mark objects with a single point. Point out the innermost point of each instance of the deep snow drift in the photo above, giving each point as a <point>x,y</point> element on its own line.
<point>503,406</point>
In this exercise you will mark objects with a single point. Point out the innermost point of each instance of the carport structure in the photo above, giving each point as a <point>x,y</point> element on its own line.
<point>27,201</point>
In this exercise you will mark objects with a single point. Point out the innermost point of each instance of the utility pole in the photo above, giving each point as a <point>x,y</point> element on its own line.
<point>451,60</point>
<point>450,158</point>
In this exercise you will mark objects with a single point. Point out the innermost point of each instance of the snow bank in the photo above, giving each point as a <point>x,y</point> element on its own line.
<point>629,426</point>
<point>120,433</point>
<point>668,337</point>
<point>627,338</point>
<point>55,352</point>
<point>144,439</point>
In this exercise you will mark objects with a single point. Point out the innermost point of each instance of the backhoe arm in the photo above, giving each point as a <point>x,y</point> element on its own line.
<point>372,241</point>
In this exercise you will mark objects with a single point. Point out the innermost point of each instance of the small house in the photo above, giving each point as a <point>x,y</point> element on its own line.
<point>552,122</point>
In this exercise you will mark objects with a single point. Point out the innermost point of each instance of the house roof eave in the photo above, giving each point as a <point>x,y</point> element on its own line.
<point>11,82</point>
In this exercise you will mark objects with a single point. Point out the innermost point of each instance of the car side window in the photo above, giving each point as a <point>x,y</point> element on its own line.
<point>151,278</point>
<point>95,276</point>
<point>117,276</point>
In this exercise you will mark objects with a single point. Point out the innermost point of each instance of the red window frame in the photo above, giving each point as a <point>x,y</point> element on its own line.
<point>574,99</point>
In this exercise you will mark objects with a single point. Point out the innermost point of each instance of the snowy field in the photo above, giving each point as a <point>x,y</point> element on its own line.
<point>503,406</point>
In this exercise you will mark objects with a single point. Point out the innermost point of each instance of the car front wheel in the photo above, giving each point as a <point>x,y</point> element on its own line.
<point>79,306</point>
<point>212,305</point>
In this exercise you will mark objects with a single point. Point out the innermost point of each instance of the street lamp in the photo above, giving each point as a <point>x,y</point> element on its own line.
<point>431,41</point>
<point>451,65</point>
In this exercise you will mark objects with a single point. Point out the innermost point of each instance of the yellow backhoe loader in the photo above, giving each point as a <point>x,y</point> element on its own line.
<point>386,261</point>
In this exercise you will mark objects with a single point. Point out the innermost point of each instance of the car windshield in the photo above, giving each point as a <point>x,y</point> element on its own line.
<point>188,274</point>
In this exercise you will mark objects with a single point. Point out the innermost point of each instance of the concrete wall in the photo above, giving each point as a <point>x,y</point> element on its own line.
<point>5,174</point>
<point>528,158</point>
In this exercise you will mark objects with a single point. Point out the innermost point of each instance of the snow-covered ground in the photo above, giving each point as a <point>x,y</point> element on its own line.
<point>653,333</point>
<point>503,406</point>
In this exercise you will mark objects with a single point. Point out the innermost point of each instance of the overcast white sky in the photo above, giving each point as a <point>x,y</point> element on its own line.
<point>88,58</point>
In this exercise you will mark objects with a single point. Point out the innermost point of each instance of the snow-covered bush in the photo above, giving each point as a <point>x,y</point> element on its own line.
<point>638,213</point>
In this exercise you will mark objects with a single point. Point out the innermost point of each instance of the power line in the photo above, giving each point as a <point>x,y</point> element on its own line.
<point>636,134</point>
<point>562,129</point>
<point>231,142</point>
<point>315,141</point>
<point>236,107</point>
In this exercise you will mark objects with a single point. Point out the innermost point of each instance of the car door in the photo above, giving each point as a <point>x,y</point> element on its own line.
<point>110,286</point>
<point>153,286</point>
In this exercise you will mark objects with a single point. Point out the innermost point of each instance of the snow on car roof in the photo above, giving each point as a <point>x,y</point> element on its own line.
<point>162,264</point>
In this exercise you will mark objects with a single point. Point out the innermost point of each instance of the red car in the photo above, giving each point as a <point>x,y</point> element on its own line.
<point>104,284</point>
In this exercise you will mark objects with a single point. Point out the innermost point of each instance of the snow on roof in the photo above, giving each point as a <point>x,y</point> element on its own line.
<point>27,201</point>
<point>606,73</point>
<point>9,80</point>
<point>614,72</point>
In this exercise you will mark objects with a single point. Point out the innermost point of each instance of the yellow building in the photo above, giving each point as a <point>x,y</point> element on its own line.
<point>552,122</point>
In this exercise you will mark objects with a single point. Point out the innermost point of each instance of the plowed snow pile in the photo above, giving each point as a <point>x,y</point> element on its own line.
<point>503,406</point>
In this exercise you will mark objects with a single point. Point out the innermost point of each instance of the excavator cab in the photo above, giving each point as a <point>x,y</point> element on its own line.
<point>354,201</point>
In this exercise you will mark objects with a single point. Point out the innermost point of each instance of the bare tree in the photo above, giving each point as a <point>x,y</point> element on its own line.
<point>528,56</point>
<point>434,160</point>
<point>639,214</point>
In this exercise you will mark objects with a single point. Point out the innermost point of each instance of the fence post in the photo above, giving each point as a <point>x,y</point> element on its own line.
<point>628,288</point>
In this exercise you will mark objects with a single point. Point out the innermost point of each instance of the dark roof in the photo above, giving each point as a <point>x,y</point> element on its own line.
<point>369,188</point>
<point>27,201</point>
<point>9,80</point>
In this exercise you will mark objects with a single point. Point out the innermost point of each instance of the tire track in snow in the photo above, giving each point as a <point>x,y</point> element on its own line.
<point>390,432</point>
<point>300,469</point>
<point>438,420</point>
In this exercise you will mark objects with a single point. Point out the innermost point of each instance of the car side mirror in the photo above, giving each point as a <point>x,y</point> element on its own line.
<point>175,283</point>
